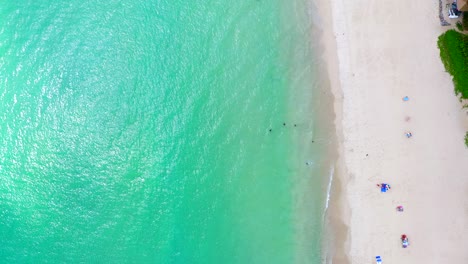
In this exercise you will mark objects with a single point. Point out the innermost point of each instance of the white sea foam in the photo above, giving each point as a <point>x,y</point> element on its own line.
<point>327,250</point>
<point>330,182</point>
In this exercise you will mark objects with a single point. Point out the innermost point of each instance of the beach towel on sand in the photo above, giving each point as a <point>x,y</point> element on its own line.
<point>378,259</point>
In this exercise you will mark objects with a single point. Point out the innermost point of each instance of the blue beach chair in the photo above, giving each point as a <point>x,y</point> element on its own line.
<point>378,259</point>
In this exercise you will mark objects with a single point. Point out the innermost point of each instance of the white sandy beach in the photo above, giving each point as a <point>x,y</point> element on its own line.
<point>386,50</point>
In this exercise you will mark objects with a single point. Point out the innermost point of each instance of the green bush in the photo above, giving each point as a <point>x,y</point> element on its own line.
<point>453,47</point>
<point>466,139</point>
<point>459,25</point>
<point>465,20</point>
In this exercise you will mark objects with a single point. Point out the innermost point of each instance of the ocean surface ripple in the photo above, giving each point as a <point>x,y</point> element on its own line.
<point>139,132</point>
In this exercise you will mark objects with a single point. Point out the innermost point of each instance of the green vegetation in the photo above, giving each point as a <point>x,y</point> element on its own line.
<point>466,139</point>
<point>459,25</point>
<point>465,20</point>
<point>453,47</point>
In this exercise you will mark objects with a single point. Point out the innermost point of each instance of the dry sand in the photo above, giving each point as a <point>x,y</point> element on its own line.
<point>385,50</point>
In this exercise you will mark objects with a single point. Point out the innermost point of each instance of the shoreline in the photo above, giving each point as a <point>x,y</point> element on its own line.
<point>372,63</point>
<point>336,231</point>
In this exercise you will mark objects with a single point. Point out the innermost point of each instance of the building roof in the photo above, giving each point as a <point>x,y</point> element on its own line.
<point>462,5</point>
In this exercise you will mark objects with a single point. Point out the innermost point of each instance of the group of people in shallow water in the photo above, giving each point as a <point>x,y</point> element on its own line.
<point>284,124</point>
<point>295,125</point>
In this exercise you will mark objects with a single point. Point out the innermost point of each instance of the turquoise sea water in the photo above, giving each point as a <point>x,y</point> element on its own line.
<point>138,131</point>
